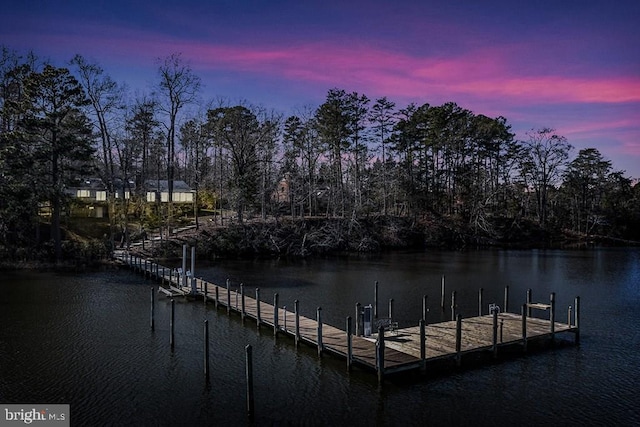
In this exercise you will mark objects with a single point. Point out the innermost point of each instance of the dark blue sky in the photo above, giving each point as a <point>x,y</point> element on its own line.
<point>570,65</point>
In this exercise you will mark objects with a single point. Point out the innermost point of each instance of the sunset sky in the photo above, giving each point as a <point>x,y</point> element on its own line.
<point>570,65</point>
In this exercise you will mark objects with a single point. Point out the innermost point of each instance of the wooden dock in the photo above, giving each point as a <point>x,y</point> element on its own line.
<point>412,348</point>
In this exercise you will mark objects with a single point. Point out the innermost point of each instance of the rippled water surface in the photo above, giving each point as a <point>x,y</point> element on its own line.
<point>84,339</point>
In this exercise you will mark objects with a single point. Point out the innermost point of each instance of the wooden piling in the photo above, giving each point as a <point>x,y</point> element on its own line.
<point>529,301</point>
<point>391,308</point>
<point>184,266</point>
<point>152,320</point>
<point>205,288</point>
<point>258,316</point>
<point>193,261</point>
<point>217,295</point>
<point>275,314</point>
<point>425,308</point>
<point>172,324</point>
<point>458,340</point>
<point>228,296</point>
<point>480,291</point>
<point>296,309</point>
<point>453,305</point>
<point>442,293</point>
<point>552,315</point>
<point>349,344</point>
<point>501,329</point>
<point>524,327</point>
<point>506,299</point>
<point>319,318</point>
<point>249,379</point>
<point>284,318</point>
<point>380,354</point>
<point>375,300</point>
<point>495,334</point>
<point>242,310</point>
<point>577,320</point>
<point>423,346</point>
<point>358,319</point>
<point>569,319</point>
<point>206,350</point>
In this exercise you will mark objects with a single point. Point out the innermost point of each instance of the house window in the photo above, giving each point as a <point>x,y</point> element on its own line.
<point>127,195</point>
<point>183,197</point>
<point>101,196</point>
<point>83,193</point>
<point>151,196</point>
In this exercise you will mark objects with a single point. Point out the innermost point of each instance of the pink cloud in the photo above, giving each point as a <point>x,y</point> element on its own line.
<point>486,73</point>
<point>396,74</point>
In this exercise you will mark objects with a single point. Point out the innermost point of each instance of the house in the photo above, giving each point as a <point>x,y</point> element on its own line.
<point>90,196</point>
<point>124,189</point>
<point>89,189</point>
<point>282,192</point>
<point>157,190</point>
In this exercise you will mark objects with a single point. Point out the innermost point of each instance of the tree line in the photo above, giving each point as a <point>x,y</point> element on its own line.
<point>350,157</point>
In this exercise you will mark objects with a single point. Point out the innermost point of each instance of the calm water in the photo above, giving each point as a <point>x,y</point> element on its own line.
<point>84,339</point>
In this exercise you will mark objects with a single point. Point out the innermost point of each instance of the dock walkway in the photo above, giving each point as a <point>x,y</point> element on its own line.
<point>407,349</point>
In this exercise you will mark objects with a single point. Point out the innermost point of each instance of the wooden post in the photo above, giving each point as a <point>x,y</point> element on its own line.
<point>258,317</point>
<point>275,314</point>
<point>349,343</point>
<point>375,300</point>
<point>184,265</point>
<point>152,309</point>
<point>501,329</point>
<point>453,305</point>
<point>529,301</point>
<point>569,316</point>
<point>480,301</point>
<point>172,323</point>
<point>249,377</point>
<point>391,308</point>
<point>425,308</point>
<point>506,299</point>
<point>170,277</point>
<point>228,296</point>
<point>319,318</point>
<point>358,319</point>
<point>495,334</point>
<point>577,320</point>
<point>193,262</point>
<point>217,292</point>
<point>552,315</point>
<point>524,327</point>
<point>423,346</point>
<point>284,318</point>
<point>458,340</point>
<point>380,353</point>
<point>206,350</point>
<point>442,294</point>
<point>242,311</point>
<point>296,309</point>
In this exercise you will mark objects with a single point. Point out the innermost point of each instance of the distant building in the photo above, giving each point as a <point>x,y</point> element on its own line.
<point>158,191</point>
<point>90,196</point>
<point>282,191</point>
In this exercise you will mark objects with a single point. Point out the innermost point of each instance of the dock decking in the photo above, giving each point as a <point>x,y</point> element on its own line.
<point>404,349</point>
